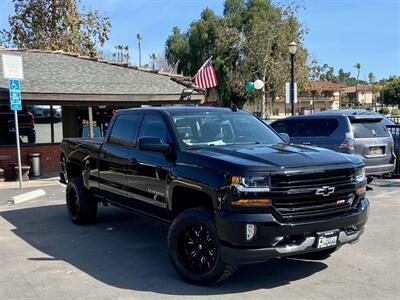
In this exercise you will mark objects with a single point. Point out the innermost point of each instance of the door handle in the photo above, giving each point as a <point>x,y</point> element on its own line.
<point>306,143</point>
<point>103,155</point>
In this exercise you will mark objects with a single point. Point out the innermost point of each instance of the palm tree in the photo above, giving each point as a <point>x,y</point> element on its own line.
<point>358,67</point>
<point>126,56</point>
<point>119,52</point>
<point>153,58</point>
<point>114,56</point>
<point>139,39</point>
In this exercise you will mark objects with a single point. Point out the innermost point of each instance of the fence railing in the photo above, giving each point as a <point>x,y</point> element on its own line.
<point>395,119</point>
<point>395,131</point>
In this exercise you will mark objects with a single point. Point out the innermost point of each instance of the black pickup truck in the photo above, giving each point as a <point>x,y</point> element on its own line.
<point>233,190</point>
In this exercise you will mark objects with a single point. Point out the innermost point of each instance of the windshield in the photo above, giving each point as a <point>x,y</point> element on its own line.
<point>367,129</point>
<point>218,129</point>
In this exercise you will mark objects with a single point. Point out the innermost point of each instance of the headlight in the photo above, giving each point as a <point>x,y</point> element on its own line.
<point>359,174</point>
<point>253,184</point>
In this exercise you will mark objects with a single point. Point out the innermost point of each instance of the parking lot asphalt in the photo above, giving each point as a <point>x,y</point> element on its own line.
<point>123,256</point>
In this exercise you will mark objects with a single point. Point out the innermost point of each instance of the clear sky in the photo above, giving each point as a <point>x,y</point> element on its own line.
<point>341,32</point>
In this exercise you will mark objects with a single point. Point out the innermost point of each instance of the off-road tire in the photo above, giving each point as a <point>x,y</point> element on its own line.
<point>81,208</point>
<point>204,217</point>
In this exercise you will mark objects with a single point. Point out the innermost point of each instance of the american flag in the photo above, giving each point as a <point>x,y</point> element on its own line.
<point>205,77</point>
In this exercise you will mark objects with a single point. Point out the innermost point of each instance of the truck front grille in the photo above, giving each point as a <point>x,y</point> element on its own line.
<point>312,207</point>
<point>295,194</point>
<point>316,179</point>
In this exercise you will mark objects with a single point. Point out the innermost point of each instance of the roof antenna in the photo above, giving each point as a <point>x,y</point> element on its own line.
<point>234,108</point>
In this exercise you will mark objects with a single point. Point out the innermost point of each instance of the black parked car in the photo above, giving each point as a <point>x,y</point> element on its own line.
<point>343,131</point>
<point>232,189</point>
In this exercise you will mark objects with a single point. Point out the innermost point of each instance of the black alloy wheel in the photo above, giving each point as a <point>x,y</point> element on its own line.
<point>197,248</point>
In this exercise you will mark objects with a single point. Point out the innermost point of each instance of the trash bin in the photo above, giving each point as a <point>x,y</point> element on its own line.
<point>34,159</point>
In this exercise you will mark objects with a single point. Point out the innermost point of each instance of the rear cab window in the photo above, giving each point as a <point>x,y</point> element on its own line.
<point>124,130</point>
<point>368,129</point>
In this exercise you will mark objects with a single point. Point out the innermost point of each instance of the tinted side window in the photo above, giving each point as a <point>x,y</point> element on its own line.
<point>313,127</point>
<point>124,130</point>
<point>154,126</point>
<point>281,127</point>
<point>369,129</point>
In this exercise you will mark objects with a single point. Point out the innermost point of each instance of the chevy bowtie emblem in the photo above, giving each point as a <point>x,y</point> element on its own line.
<point>325,191</point>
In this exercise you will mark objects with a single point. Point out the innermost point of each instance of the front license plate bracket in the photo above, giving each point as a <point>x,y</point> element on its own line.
<point>327,239</point>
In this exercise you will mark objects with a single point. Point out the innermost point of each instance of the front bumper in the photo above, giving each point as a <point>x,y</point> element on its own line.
<point>276,239</point>
<point>380,169</point>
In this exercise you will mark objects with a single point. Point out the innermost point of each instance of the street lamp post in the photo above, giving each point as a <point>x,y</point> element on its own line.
<point>292,51</point>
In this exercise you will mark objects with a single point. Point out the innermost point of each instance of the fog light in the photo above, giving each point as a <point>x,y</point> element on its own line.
<point>251,231</point>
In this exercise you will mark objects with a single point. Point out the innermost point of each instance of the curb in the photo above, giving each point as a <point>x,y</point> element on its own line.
<point>26,196</point>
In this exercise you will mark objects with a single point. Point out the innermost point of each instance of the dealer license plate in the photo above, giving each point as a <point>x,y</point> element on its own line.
<point>327,239</point>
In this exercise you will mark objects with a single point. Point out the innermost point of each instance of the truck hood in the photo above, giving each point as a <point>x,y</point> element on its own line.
<point>272,157</point>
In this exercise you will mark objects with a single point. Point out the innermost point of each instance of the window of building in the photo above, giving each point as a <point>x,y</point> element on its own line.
<point>38,124</point>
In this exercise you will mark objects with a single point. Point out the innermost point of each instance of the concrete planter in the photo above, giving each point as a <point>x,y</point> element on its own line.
<point>25,172</point>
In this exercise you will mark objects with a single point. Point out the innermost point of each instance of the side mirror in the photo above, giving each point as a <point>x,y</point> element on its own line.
<point>153,144</point>
<point>285,137</point>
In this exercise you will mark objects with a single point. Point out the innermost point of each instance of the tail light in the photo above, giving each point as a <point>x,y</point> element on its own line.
<point>347,145</point>
<point>33,121</point>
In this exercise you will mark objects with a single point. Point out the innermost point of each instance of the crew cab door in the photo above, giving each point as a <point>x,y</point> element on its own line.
<point>114,163</point>
<point>147,177</point>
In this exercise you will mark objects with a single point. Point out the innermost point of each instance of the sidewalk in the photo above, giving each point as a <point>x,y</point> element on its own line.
<point>10,189</point>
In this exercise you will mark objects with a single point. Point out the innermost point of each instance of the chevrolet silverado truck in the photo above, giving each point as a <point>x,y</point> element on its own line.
<point>232,189</point>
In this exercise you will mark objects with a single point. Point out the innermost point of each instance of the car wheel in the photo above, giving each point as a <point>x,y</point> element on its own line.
<point>319,255</point>
<point>195,250</point>
<point>370,179</point>
<point>81,209</point>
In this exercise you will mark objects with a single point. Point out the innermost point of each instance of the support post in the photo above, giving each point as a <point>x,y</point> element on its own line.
<point>18,148</point>
<point>292,83</point>
<point>91,132</point>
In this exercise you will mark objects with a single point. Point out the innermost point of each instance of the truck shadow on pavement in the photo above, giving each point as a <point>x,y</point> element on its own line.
<point>128,251</point>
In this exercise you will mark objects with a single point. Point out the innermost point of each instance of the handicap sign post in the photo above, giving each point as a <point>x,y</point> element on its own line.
<point>15,95</point>
<point>12,69</point>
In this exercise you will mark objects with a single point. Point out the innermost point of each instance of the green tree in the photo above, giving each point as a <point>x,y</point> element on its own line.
<point>153,58</point>
<point>371,78</point>
<point>314,69</point>
<point>249,41</point>
<point>126,54</point>
<point>343,77</point>
<point>121,54</point>
<point>56,25</point>
<point>358,68</point>
<point>392,92</point>
<point>177,49</point>
<point>139,40</point>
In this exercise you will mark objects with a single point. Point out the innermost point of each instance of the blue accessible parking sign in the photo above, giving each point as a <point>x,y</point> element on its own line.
<point>15,95</point>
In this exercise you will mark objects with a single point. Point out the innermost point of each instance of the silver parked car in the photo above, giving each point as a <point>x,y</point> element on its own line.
<point>343,131</point>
